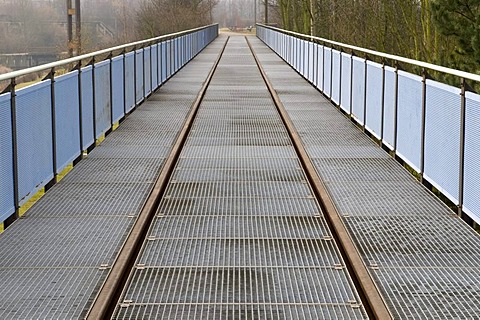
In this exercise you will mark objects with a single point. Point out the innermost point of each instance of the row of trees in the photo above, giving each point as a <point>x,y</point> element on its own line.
<point>445,32</point>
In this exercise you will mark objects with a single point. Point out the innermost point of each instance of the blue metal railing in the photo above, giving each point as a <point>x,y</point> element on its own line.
<point>46,126</point>
<point>431,126</point>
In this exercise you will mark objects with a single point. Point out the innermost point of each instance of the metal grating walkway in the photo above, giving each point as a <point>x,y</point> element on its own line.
<point>424,259</point>
<point>238,233</point>
<point>56,257</point>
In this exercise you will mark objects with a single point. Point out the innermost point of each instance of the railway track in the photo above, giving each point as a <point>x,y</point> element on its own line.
<point>207,245</point>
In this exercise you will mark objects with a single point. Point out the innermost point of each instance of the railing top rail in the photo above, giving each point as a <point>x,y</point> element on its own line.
<point>19,73</point>
<point>426,65</point>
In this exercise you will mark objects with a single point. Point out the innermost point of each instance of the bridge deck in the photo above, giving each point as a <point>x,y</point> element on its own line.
<point>238,233</point>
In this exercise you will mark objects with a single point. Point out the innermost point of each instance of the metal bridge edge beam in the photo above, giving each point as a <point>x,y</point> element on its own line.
<point>376,305</point>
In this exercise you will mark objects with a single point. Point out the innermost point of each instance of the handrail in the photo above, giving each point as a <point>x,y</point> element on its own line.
<point>19,73</point>
<point>422,64</point>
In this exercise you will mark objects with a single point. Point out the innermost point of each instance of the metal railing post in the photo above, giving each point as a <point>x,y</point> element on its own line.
<point>461,174</point>
<point>382,124</point>
<point>54,124</point>
<point>80,107</point>
<point>424,118</point>
<point>365,95</point>
<point>351,86</point>
<point>13,114</point>
<point>395,113</point>
<point>94,95</point>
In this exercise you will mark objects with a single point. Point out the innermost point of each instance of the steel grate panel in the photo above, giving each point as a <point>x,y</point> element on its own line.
<point>240,252</point>
<point>48,293</point>
<point>238,163</point>
<point>444,294</point>
<point>142,138</point>
<point>277,174</point>
<point>238,189</point>
<point>115,170</point>
<point>273,227</point>
<point>342,152</point>
<point>360,169</point>
<point>238,152</point>
<point>240,140</point>
<point>419,242</point>
<point>125,151</point>
<point>240,311</point>
<point>91,199</point>
<point>59,242</point>
<point>236,285</point>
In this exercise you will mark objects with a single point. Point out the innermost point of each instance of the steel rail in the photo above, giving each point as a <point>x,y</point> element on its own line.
<point>369,293</point>
<point>43,67</point>
<point>105,302</point>
<point>421,64</point>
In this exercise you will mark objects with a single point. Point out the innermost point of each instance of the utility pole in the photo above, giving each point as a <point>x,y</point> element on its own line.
<point>74,43</point>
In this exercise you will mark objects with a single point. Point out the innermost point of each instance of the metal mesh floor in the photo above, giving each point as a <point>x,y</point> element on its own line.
<point>57,256</point>
<point>238,233</point>
<point>423,258</point>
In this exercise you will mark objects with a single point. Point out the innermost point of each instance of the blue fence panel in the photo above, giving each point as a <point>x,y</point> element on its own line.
<point>34,138</point>
<point>358,89</point>
<point>88,137</point>
<point>163,51</point>
<point>327,71</point>
<point>303,57</point>
<point>346,84</point>
<point>321,62</point>
<point>315,64</point>
<point>147,71</point>
<point>409,118</point>
<point>472,157</point>
<point>139,77</point>
<point>336,76</point>
<point>154,67</point>
<point>7,201</point>
<point>168,45</point>
<point>374,98</point>
<point>67,119</point>
<point>442,138</point>
<point>175,55</point>
<point>118,89</point>
<point>103,111</point>
<point>129,81</point>
<point>390,98</point>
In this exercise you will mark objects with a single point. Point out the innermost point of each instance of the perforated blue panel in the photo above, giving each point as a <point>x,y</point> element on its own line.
<point>389,107</point>
<point>34,138</point>
<point>315,64</point>
<point>154,67</point>
<point>163,50</point>
<point>67,119</point>
<point>118,90</point>
<point>346,82</point>
<point>327,71</point>
<point>472,157</point>
<point>129,81</point>
<point>374,98</point>
<point>309,64</point>
<point>103,112</point>
<point>320,54</point>
<point>442,138</point>
<point>409,118</point>
<point>139,77</point>
<point>303,57</point>
<point>175,54</point>
<point>148,70</point>
<point>87,107</point>
<point>7,203</point>
<point>336,76</point>
<point>358,89</point>
<point>168,48</point>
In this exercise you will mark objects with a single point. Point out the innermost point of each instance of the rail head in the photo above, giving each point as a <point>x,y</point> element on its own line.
<point>429,66</point>
<point>92,55</point>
